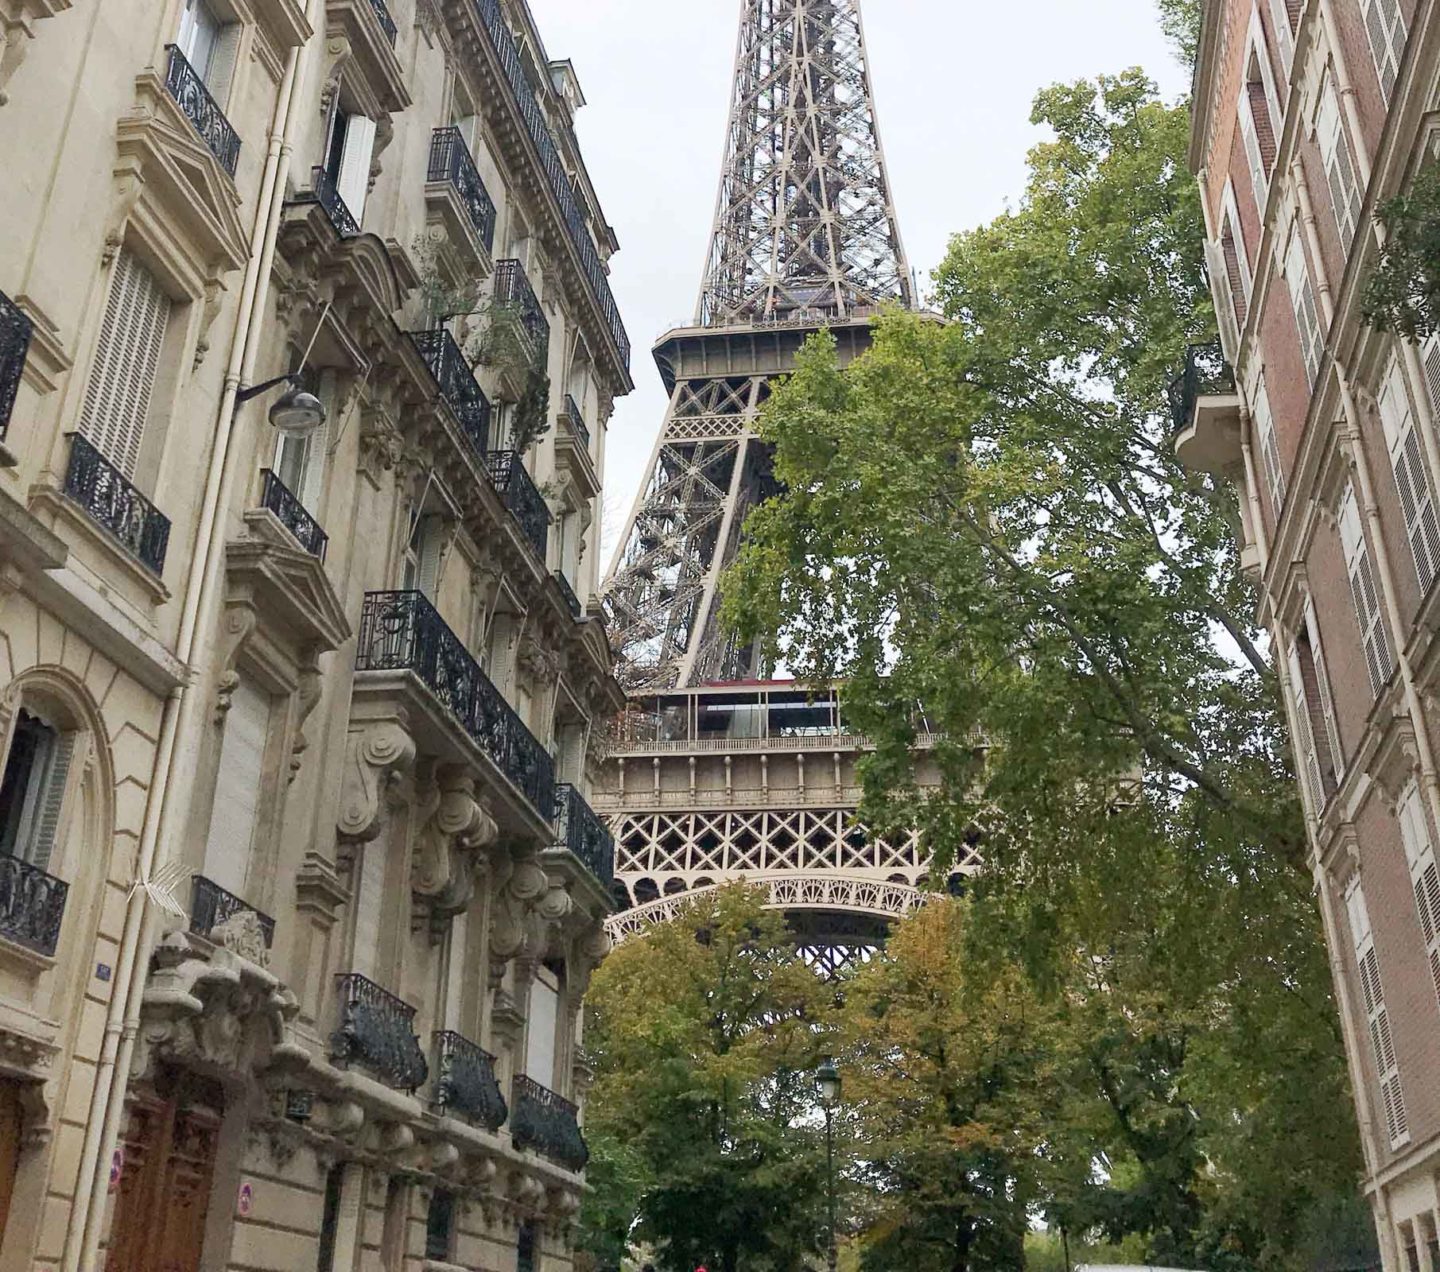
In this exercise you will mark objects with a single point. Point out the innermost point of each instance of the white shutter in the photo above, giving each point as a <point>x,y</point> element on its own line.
<point>1258,180</point>
<point>431,541</point>
<point>1334,142</point>
<point>369,902</point>
<point>353,184</point>
<point>127,356</point>
<point>1377,1019</point>
<point>1322,682</point>
<point>1430,360</point>
<point>1363,591</point>
<point>222,63</point>
<point>541,1029</point>
<point>1269,447</point>
<point>1302,300</point>
<point>1306,754</point>
<point>50,802</point>
<point>1411,479</point>
<point>1284,35</point>
<point>1225,308</point>
<point>1385,29</point>
<point>1424,874</point>
<point>237,788</point>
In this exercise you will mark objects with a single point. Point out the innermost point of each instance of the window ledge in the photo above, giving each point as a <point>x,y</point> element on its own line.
<point>22,960</point>
<point>48,499</point>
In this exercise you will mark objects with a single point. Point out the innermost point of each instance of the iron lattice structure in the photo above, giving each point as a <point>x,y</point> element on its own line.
<point>805,237</point>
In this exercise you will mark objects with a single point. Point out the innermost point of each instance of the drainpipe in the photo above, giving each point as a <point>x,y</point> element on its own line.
<point>123,1016</point>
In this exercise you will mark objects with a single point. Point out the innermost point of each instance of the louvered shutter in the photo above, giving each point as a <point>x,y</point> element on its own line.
<point>369,902</point>
<point>1335,153</point>
<point>431,541</point>
<point>222,63</point>
<point>1385,29</point>
<point>1253,155</point>
<point>1269,448</point>
<point>1412,480</point>
<point>353,184</point>
<point>1284,33</point>
<point>1328,719</point>
<point>1235,273</point>
<point>1430,362</point>
<point>127,357</point>
<point>1364,593</point>
<point>1307,756</point>
<point>1302,300</point>
<point>237,788</point>
<point>1424,874</point>
<point>541,1027</point>
<point>1226,306</point>
<point>1377,1019</point>
<point>49,802</point>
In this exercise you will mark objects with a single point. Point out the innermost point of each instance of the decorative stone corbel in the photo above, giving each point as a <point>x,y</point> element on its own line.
<point>210,310</point>
<point>376,754</point>
<point>307,697</point>
<point>442,871</point>
<point>521,890</point>
<point>236,627</point>
<point>337,53</point>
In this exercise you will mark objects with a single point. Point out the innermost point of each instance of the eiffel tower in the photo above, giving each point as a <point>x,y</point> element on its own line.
<point>720,771</point>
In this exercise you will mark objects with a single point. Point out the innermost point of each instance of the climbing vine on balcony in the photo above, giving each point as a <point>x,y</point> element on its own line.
<point>1403,294</point>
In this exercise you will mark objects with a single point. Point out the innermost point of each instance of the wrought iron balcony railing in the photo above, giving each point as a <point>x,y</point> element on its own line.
<point>402,631</point>
<point>276,496</point>
<point>577,421</point>
<point>553,166</point>
<point>465,1081</point>
<point>542,1120</point>
<point>568,593</point>
<point>457,384</point>
<point>32,905</point>
<point>324,191</point>
<point>184,84</point>
<point>1206,372</point>
<point>15,332</point>
<point>512,289</point>
<point>387,23</point>
<point>579,829</point>
<point>519,493</point>
<point>377,1031</point>
<point>116,506</point>
<point>450,161</point>
<point>211,905</point>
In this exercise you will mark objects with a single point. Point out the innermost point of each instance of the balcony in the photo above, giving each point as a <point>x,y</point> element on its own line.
<point>578,829</point>
<point>465,1082</point>
<point>187,88</point>
<point>94,483</point>
<point>553,166</point>
<point>15,332</point>
<point>387,23</point>
<point>543,1121</point>
<point>291,514</point>
<point>451,166</point>
<point>575,421</point>
<point>212,907</point>
<point>324,192</point>
<point>32,905</point>
<point>457,384</point>
<point>515,301</point>
<point>376,1031</point>
<point>401,631</point>
<point>1205,412</point>
<point>519,493</point>
<point>572,601</point>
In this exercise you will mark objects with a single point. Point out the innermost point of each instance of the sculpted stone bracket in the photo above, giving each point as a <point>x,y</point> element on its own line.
<point>378,753</point>
<point>447,849</point>
<point>27,1060</point>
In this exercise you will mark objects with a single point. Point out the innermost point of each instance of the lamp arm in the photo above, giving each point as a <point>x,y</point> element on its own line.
<point>245,395</point>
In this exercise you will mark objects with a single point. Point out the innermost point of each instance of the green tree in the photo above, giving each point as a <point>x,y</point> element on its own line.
<point>705,1037</point>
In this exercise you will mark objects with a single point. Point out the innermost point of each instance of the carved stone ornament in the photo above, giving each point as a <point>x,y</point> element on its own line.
<point>442,871</point>
<point>376,755</point>
<point>243,935</point>
<point>521,889</point>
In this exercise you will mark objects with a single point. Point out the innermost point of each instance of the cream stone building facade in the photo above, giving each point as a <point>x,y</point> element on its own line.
<point>299,886</point>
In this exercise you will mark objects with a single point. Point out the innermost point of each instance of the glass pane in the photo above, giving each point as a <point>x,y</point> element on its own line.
<point>22,788</point>
<point>199,36</point>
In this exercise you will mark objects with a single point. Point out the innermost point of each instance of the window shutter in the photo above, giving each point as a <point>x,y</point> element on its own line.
<point>1377,1019</point>
<point>237,788</point>
<point>1307,756</point>
<point>369,902</point>
<point>431,540</point>
<point>1284,32</point>
<point>1339,162</point>
<point>1225,299</point>
<point>1302,300</point>
<point>1269,448</point>
<point>353,184</point>
<point>1329,720</point>
<point>544,1017</point>
<point>1253,152</point>
<point>50,802</point>
<point>1411,479</point>
<point>222,63</point>
<point>1424,874</point>
<point>1385,29</point>
<point>127,356</point>
<point>1364,592</point>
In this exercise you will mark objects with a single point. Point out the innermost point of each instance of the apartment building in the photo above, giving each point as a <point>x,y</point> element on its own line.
<point>1308,115</point>
<point>307,353</point>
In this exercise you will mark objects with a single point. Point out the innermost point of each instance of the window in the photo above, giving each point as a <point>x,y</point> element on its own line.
<point>209,44</point>
<point>1302,301</point>
<point>1377,1019</point>
<point>1269,447</point>
<point>1229,276</point>
<point>440,1226</point>
<point>1430,362</point>
<point>1364,592</point>
<point>1412,480</point>
<point>544,1018</point>
<point>127,358</point>
<point>1424,874</point>
<point>1283,21</point>
<point>347,159</point>
<point>525,1247</point>
<point>300,457</point>
<point>330,1217</point>
<point>1259,112</point>
<point>32,789</point>
<point>238,787</point>
<point>1385,29</point>
<point>1335,153</point>
<point>1317,742</point>
<point>421,570</point>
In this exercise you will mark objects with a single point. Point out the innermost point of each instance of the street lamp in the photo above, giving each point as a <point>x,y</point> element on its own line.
<point>295,411</point>
<point>827,1083</point>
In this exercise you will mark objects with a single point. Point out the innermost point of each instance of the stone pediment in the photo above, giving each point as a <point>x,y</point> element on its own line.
<point>357,275</point>
<point>293,598</point>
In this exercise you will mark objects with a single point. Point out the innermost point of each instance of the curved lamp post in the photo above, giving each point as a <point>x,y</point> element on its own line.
<point>827,1083</point>
<point>295,411</point>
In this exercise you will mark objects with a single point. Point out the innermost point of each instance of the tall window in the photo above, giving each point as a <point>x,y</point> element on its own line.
<point>1269,447</point>
<point>330,1217</point>
<point>1282,18</point>
<point>1377,1019</point>
<point>440,1226</point>
<point>32,788</point>
<point>127,358</point>
<point>209,44</point>
<point>1229,276</point>
<point>1385,29</point>
<point>1259,119</point>
<point>1318,741</point>
<point>1302,301</point>
<point>541,1029</point>
<point>300,457</point>
<point>1412,479</point>
<point>421,569</point>
<point>1366,596</point>
<point>347,159</point>
<point>1333,139</point>
<point>238,785</point>
<point>1424,874</point>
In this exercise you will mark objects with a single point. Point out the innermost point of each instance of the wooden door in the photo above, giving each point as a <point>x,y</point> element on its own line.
<point>11,1120</point>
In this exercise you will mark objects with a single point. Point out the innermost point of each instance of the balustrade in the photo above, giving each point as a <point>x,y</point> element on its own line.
<point>184,84</point>
<point>94,483</point>
<point>578,828</point>
<point>576,420</point>
<point>32,905</point>
<point>376,1030</point>
<point>457,384</point>
<point>465,1081</point>
<point>513,290</point>
<point>325,192</point>
<point>211,905</point>
<point>1206,372</point>
<point>290,512</point>
<point>519,493</point>
<point>568,593</point>
<point>450,161</point>
<point>547,1123</point>
<point>15,332</point>
<point>387,23</point>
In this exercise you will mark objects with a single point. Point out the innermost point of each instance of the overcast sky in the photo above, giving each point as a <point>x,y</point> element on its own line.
<point>954,80</point>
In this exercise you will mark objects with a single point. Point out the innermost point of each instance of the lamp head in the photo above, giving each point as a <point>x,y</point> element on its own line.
<point>827,1082</point>
<point>297,411</point>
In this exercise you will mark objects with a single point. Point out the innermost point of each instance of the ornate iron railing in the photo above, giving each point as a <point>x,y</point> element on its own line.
<point>450,161</point>
<point>32,905</point>
<point>401,631</point>
<point>1206,372</point>
<point>276,496</point>
<point>568,593</point>
<point>554,168</point>
<point>457,384</point>
<point>579,829</point>
<point>465,1081</point>
<point>324,191</point>
<point>184,84</point>
<point>116,506</point>
<point>387,23</point>
<point>15,332</point>
<point>577,421</point>
<point>542,1120</point>
<point>211,905</point>
<point>376,1030</point>
<point>512,289</point>
<point>520,494</point>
